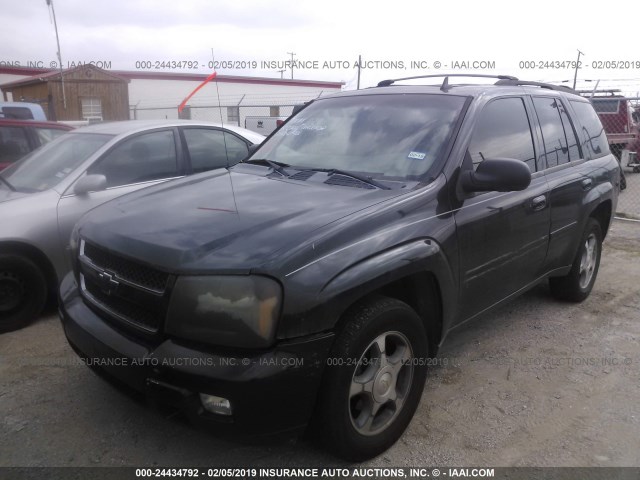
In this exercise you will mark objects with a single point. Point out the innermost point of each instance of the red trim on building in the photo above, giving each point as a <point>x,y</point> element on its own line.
<point>36,73</point>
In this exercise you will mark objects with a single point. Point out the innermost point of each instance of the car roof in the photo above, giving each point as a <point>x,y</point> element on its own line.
<point>132,126</point>
<point>34,123</point>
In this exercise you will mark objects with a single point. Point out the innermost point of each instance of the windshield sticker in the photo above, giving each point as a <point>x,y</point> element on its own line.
<point>417,155</point>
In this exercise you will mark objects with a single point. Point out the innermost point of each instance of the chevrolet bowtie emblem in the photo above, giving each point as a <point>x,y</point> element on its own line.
<point>108,284</point>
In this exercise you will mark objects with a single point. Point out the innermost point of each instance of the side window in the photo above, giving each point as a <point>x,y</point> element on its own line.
<point>572,140</point>
<point>13,144</point>
<point>17,113</point>
<point>593,135</point>
<point>557,133</point>
<point>503,131</point>
<point>142,158</point>
<point>45,135</point>
<point>210,149</point>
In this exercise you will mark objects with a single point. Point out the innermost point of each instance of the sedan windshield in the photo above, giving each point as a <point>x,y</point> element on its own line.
<point>381,136</point>
<point>49,165</point>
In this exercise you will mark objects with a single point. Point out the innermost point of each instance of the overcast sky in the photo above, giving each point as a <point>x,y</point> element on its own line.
<point>125,31</point>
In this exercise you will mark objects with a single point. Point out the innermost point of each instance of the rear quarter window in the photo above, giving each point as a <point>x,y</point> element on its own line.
<point>594,138</point>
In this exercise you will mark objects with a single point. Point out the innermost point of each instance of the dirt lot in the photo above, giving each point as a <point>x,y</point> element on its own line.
<point>537,383</point>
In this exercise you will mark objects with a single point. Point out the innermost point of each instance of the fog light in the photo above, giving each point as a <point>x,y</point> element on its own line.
<point>214,404</point>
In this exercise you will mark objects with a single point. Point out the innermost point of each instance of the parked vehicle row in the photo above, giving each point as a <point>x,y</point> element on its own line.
<point>311,283</point>
<point>45,194</point>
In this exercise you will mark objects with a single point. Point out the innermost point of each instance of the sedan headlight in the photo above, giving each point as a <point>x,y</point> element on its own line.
<point>234,311</point>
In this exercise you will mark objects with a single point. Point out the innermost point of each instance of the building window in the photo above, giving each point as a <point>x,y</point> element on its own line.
<point>274,111</point>
<point>233,114</point>
<point>91,108</point>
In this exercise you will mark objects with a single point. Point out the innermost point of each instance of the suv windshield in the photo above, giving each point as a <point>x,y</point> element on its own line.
<point>50,164</point>
<point>392,136</point>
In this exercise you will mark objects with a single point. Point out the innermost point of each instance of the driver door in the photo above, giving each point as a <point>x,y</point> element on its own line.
<point>502,236</point>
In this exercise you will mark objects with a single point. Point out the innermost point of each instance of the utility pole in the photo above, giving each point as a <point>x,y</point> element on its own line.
<point>292,55</point>
<point>359,67</point>
<point>281,73</point>
<point>55,25</point>
<point>575,75</point>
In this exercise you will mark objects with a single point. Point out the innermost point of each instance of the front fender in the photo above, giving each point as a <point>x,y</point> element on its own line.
<point>370,274</point>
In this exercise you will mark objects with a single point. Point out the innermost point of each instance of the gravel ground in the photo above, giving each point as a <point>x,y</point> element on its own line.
<point>535,383</point>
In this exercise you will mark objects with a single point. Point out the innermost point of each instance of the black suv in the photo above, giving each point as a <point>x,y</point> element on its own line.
<point>316,279</point>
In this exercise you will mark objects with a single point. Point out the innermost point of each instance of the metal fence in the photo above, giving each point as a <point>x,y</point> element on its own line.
<point>620,117</point>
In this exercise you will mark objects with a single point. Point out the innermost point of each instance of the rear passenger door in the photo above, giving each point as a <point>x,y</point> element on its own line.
<point>502,236</point>
<point>567,175</point>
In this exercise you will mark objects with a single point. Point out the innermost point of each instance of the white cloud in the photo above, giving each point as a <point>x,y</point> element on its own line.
<point>123,31</point>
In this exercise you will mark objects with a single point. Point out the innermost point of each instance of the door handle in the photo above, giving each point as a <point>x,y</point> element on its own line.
<point>587,183</point>
<point>539,202</point>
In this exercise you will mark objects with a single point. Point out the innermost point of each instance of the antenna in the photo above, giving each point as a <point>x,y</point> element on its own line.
<point>55,26</point>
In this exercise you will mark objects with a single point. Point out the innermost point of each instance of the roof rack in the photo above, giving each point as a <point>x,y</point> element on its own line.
<point>503,80</point>
<point>524,83</point>
<point>445,84</point>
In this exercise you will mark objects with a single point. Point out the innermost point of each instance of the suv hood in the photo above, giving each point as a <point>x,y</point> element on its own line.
<point>221,222</point>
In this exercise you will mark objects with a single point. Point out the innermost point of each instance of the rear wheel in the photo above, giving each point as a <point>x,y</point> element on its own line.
<point>23,292</point>
<point>577,284</point>
<point>374,379</point>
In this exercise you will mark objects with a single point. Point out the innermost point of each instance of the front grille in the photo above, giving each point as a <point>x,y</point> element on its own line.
<point>122,290</point>
<point>122,309</point>
<point>127,270</point>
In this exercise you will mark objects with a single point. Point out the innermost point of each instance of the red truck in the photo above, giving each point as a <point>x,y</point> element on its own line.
<point>620,124</point>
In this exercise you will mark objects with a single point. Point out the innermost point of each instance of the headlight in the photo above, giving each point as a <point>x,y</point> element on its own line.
<point>234,311</point>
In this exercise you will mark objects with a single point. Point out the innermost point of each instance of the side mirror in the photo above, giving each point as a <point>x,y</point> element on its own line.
<point>497,175</point>
<point>90,183</point>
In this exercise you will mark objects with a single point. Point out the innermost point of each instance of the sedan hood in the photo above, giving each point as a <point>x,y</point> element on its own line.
<point>222,221</point>
<point>6,194</point>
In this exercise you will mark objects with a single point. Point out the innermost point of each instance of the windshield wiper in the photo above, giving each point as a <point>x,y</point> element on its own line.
<point>357,176</point>
<point>276,166</point>
<point>11,187</point>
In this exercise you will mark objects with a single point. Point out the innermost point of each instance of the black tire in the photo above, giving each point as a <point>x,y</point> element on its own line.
<point>23,292</point>
<point>574,287</point>
<point>623,180</point>
<point>404,337</point>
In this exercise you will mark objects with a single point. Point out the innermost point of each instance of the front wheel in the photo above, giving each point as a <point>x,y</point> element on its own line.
<point>577,284</point>
<point>23,291</point>
<point>374,379</point>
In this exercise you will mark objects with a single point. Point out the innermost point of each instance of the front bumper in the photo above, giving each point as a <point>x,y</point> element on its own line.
<point>270,391</point>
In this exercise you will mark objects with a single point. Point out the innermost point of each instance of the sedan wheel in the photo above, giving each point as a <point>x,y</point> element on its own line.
<point>23,291</point>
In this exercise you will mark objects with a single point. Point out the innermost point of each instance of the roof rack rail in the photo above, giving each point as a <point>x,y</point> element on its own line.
<point>445,83</point>
<point>524,83</point>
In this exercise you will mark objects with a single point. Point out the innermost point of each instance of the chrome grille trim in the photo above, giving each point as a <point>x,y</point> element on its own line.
<point>91,264</point>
